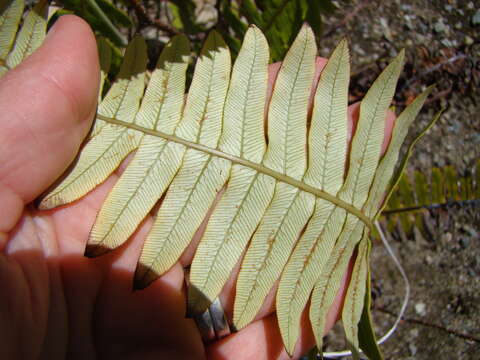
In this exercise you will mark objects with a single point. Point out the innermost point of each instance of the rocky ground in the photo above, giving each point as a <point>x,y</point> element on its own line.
<point>441,39</point>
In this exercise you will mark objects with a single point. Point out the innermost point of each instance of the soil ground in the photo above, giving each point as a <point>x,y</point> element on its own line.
<point>442,44</point>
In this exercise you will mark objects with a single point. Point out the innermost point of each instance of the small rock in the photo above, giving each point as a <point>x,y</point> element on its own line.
<point>464,242</point>
<point>476,18</point>
<point>414,332</point>
<point>468,40</point>
<point>386,29</point>
<point>458,25</point>
<point>449,8</point>
<point>429,260</point>
<point>446,238</point>
<point>470,5</point>
<point>470,230</point>
<point>446,43</point>
<point>413,349</point>
<point>421,309</point>
<point>439,27</point>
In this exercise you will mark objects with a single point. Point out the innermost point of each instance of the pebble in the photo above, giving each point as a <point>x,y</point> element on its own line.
<point>439,27</point>
<point>470,230</point>
<point>447,43</point>
<point>421,309</point>
<point>429,260</point>
<point>464,242</point>
<point>476,18</point>
<point>468,40</point>
<point>446,238</point>
<point>413,349</point>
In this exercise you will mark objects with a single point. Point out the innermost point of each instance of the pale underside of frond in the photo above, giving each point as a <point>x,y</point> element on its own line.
<point>296,201</point>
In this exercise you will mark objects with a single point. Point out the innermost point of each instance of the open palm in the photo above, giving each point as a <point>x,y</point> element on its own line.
<point>56,303</point>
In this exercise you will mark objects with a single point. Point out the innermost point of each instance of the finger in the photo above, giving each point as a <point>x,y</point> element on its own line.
<point>47,105</point>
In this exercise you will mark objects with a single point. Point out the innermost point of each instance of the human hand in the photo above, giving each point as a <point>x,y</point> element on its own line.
<point>56,303</point>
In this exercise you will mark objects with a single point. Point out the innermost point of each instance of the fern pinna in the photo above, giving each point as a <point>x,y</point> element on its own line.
<point>293,209</point>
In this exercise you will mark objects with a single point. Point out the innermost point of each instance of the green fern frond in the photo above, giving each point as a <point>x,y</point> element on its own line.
<point>16,47</point>
<point>292,204</point>
<point>419,191</point>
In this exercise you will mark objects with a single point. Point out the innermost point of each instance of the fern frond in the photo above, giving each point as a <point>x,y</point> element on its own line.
<point>201,175</point>
<point>290,202</point>
<point>440,188</point>
<point>326,170</point>
<point>290,208</point>
<point>110,144</point>
<point>28,39</point>
<point>9,20</point>
<point>248,193</point>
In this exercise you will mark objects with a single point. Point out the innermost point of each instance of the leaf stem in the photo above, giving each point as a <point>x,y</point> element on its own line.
<point>237,160</point>
<point>104,18</point>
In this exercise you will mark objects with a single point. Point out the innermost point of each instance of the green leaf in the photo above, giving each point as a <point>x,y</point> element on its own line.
<point>11,14</point>
<point>421,188</point>
<point>364,156</point>
<point>201,176</point>
<point>100,21</point>
<point>184,13</point>
<point>436,175</point>
<point>105,54</point>
<point>451,185</point>
<point>289,209</point>
<point>328,141</point>
<point>389,160</point>
<point>232,17</point>
<point>115,14</point>
<point>239,211</point>
<point>30,36</point>
<point>130,200</point>
<point>314,14</point>
<point>354,299</point>
<point>366,334</point>
<point>250,11</point>
<point>438,195</point>
<point>110,144</point>
<point>369,137</point>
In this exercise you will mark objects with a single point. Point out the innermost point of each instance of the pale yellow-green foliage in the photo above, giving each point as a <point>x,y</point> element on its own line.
<point>292,210</point>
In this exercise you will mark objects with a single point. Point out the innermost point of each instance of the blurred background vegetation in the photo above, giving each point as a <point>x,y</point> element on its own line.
<point>157,21</point>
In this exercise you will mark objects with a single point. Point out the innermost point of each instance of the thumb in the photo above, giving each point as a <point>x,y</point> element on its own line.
<point>47,104</point>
